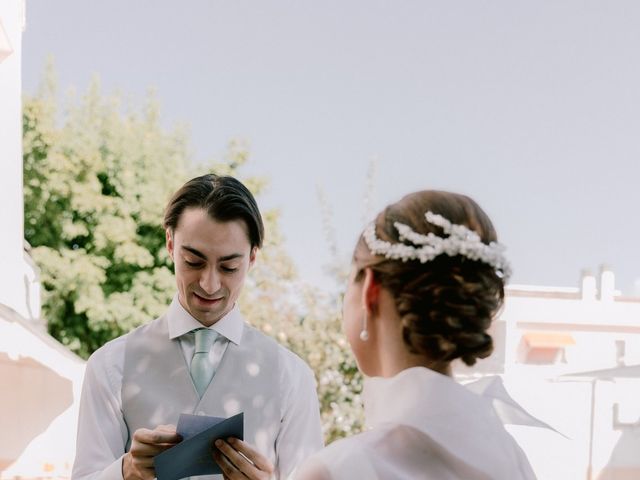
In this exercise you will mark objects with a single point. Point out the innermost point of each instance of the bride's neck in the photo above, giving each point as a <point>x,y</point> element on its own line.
<point>393,353</point>
<point>391,365</point>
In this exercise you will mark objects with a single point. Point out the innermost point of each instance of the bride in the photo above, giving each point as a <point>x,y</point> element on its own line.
<point>427,280</point>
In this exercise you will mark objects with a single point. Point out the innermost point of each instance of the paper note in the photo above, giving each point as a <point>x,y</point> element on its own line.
<point>193,456</point>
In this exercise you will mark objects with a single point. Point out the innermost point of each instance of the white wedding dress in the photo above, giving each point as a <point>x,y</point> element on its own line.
<point>424,425</point>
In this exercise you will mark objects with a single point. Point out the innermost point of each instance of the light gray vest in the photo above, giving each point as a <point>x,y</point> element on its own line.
<point>157,386</point>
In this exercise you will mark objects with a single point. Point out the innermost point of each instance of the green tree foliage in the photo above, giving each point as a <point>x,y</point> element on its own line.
<point>96,181</point>
<point>97,176</point>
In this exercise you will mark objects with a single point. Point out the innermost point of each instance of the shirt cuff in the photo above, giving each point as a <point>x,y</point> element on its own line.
<point>113,471</point>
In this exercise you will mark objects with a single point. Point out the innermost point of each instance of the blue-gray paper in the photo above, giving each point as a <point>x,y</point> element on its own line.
<point>193,456</point>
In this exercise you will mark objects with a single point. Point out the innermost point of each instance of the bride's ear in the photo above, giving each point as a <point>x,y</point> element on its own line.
<point>370,292</point>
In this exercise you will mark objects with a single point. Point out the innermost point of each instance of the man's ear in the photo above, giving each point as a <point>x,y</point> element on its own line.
<point>169,242</point>
<point>370,292</point>
<point>252,256</point>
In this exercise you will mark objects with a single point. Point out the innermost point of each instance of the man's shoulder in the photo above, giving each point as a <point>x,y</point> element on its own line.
<point>146,327</point>
<point>291,364</point>
<point>113,350</point>
<point>110,349</point>
<point>257,334</point>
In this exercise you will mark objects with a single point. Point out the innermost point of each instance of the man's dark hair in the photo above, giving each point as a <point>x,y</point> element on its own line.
<point>224,198</point>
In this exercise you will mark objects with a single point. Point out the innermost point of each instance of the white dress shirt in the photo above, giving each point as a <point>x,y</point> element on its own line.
<point>424,425</point>
<point>102,431</point>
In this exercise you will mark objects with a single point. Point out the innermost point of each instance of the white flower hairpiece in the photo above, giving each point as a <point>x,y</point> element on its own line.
<point>460,241</point>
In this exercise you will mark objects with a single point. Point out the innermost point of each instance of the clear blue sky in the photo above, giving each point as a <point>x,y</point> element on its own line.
<point>532,108</point>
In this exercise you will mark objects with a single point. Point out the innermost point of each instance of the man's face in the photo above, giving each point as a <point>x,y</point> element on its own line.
<point>211,262</point>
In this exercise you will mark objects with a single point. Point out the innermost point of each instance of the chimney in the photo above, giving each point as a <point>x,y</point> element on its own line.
<point>588,288</point>
<point>607,284</point>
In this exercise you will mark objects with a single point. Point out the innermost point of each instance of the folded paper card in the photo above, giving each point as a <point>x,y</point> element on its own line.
<point>193,456</point>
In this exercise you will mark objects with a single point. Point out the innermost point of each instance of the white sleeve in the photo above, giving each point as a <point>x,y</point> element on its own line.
<point>102,432</point>
<point>300,429</point>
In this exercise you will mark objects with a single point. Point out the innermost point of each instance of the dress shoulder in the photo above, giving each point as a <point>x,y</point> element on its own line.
<point>345,459</point>
<point>393,451</point>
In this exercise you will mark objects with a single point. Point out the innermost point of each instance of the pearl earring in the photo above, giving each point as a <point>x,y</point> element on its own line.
<point>364,333</point>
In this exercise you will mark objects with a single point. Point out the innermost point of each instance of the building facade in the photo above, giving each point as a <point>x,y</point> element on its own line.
<point>571,357</point>
<point>40,379</point>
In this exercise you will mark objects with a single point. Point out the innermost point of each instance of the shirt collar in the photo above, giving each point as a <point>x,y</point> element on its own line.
<point>180,322</point>
<point>423,390</point>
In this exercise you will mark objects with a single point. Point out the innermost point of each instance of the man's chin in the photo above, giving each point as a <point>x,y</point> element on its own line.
<point>208,315</point>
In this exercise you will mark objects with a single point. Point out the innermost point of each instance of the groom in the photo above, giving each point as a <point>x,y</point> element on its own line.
<point>200,357</point>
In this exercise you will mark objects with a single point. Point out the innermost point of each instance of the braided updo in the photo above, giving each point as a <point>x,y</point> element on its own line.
<point>446,305</point>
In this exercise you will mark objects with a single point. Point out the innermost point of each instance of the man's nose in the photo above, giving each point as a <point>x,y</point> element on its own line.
<point>210,281</point>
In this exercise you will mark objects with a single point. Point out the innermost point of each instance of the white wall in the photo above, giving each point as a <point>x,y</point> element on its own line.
<point>12,265</point>
<point>568,403</point>
<point>40,383</point>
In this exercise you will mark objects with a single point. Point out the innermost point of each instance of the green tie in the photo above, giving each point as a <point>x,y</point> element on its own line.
<point>202,369</point>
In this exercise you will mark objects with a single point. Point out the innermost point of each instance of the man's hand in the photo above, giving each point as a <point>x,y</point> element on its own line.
<point>146,444</point>
<point>238,460</point>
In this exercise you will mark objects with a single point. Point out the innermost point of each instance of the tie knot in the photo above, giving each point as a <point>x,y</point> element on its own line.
<point>204,339</point>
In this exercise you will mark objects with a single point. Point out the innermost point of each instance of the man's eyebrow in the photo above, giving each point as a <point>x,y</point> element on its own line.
<point>197,253</point>
<point>233,256</point>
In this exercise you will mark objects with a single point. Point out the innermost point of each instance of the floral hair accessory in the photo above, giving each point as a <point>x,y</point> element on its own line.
<point>424,248</point>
